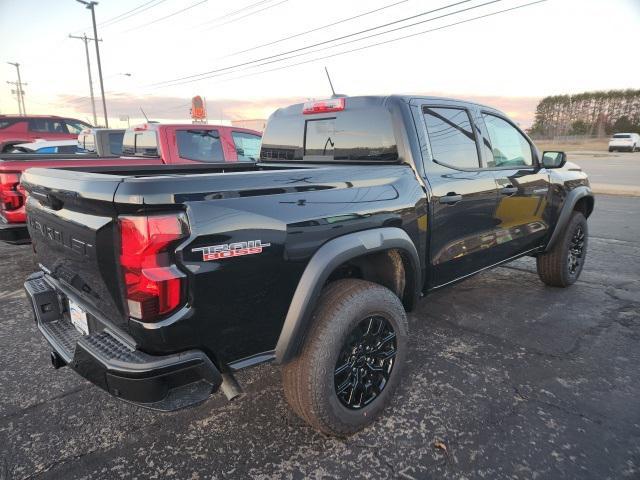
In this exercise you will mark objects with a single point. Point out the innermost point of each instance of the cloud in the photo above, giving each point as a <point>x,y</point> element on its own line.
<point>520,109</point>
<point>157,107</point>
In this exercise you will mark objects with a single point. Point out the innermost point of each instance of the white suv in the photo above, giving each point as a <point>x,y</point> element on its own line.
<point>624,141</point>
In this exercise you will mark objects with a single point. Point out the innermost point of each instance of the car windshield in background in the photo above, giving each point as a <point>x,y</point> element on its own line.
<point>247,146</point>
<point>200,145</point>
<point>75,126</point>
<point>622,135</point>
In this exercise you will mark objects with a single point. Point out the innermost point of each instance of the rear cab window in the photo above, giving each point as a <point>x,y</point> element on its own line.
<point>200,145</point>
<point>115,142</point>
<point>361,132</point>
<point>143,143</point>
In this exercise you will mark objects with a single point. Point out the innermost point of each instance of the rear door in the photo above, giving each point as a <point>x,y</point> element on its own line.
<point>523,187</point>
<point>464,196</point>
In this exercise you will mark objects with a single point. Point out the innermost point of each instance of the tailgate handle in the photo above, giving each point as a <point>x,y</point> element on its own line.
<point>48,200</point>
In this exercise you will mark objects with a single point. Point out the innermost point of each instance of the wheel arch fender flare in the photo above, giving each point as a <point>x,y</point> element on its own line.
<point>565,213</point>
<point>326,259</point>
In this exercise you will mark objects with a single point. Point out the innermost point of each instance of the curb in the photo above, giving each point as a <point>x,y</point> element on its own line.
<point>613,189</point>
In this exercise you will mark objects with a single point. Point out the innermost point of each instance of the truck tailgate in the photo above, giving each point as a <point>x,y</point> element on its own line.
<point>73,230</point>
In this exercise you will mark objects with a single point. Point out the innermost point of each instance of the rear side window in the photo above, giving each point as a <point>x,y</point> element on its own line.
<point>508,145</point>
<point>144,143</point>
<point>247,146</point>
<point>47,125</point>
<point>451,136</point>
<point>200,145</point>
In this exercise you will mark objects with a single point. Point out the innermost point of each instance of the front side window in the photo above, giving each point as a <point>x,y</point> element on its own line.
<point>47,125</point>
<point>247,146</point>
<point>200,145</point>
<point>509,147</point>
<point>451,136</point>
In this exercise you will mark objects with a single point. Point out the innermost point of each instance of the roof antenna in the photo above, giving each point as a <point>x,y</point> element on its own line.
<point>335,95</point>
<point>145,115</point>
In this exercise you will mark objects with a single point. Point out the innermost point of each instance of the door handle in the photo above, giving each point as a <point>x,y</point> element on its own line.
<point>450,198</point>
<point>508,190</point>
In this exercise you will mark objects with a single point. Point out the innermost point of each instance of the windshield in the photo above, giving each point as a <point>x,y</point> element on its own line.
<point>622,135</point>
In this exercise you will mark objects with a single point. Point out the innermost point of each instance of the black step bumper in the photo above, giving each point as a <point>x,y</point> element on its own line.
<point>163,383</point>
<point>14,233</point>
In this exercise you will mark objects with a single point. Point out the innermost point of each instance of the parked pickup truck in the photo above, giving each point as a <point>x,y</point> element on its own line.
<point>158,283</point>
<point>148,144</point>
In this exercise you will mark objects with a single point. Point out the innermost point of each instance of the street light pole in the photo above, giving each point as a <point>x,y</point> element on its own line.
<point>90,5</point>
<point>86,39</point>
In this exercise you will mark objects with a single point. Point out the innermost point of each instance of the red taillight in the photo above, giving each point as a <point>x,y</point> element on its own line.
<point>324,106</point>
<point>154,285</point>
<point>11,197</point>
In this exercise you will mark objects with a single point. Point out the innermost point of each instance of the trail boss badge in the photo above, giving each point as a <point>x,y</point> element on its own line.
<point>228,250</point>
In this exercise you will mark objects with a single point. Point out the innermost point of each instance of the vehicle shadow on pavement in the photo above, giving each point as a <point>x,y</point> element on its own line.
<point>506,378</point>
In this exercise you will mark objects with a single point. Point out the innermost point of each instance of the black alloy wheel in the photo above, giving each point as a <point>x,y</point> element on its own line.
<point>365,362</point>
<point>576,250</point>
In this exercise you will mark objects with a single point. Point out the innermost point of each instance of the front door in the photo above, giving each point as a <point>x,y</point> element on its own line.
<point>464,196</point>
<point>523,187</point>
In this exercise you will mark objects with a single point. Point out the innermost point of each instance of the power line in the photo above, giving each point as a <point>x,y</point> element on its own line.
<point>374,44</point>
<point>126,13</point>
<point>135,13</point>
<point>166,16</point>
<point>316,44</point>
<point>234,12</point>
<point>247,15</point>
<point>317,28</point>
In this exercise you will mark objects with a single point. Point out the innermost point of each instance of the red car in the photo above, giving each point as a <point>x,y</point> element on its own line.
<point>148,144</point>
<point>16,129</point>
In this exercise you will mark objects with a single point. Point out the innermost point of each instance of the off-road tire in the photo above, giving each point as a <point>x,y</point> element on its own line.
<point>309,378</point>
<point>553,267</point>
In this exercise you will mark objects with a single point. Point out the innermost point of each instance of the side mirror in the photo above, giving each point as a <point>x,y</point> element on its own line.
<point>554,159</point>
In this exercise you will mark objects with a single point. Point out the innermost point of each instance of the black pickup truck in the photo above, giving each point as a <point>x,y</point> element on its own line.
<point>157,283</point>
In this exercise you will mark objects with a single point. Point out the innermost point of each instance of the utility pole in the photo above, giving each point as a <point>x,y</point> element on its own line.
<point>19,91</point>
<point>90,5</point>
<point>86,40</point>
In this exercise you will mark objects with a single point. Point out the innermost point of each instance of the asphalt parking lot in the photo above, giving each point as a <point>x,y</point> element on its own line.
<point>507,379</point>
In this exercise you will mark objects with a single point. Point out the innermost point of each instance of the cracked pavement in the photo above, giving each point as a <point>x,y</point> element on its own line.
<point>507,378</point>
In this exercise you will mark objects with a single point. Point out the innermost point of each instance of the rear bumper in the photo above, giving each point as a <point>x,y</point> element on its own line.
<point>163,383</point>
<point>14,233</point>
